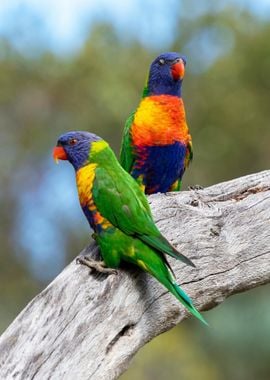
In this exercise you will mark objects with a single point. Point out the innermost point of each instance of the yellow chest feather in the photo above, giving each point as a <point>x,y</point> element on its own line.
<point>85,180</point>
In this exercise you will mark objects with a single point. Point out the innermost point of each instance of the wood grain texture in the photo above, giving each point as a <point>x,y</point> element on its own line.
<point>89,327</point>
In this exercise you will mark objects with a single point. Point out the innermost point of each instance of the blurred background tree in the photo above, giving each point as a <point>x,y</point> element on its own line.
<point>76,65</point>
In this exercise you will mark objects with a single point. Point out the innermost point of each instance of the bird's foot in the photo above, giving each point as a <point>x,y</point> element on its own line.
<point>98,266</point>
<point>195,187</point>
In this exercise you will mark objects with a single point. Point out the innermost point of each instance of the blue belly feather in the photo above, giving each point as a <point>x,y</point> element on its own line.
<point>159,166</point>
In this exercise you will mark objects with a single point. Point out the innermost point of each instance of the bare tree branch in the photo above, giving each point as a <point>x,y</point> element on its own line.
<point>89,327</point>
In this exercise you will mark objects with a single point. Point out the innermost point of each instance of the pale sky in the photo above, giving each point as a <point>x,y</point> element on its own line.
<point>63,25</point>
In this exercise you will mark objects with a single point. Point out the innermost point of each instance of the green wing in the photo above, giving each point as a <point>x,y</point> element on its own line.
<point>126,153</point>
<point>119,199</point>
<point>189,154</point>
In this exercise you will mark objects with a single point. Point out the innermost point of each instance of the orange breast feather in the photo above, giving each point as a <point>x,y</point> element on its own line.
<point>160,120</point>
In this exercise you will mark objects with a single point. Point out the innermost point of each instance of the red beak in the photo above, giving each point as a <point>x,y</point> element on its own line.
<point>59,154</point>
<point>178,70</point>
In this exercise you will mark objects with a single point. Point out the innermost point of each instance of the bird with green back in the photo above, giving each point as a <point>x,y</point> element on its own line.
<point>118,212</point>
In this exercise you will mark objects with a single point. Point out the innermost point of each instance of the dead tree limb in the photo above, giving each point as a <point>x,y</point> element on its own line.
<point>87,327</point>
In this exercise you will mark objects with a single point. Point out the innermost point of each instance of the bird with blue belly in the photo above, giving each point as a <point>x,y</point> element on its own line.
<point>156,145</point>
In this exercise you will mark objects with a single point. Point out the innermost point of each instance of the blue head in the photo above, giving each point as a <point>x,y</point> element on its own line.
<point>166,75</point>
<point>75,147</point>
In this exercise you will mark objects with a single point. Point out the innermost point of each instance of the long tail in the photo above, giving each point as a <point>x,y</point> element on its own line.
<point>156,264</point>
<point>164,276</point>
<point>186,301</point>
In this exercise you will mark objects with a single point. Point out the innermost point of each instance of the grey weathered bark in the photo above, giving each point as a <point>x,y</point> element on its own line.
<point>88,327</point>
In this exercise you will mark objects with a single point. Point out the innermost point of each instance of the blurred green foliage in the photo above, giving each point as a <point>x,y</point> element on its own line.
<point>228,111</point>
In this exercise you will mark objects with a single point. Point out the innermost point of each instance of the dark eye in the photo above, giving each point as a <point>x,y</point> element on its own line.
<point>72,142</point>
<point>183,60</point>
<point>161,61</point>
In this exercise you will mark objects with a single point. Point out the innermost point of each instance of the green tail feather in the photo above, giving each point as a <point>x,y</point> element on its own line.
<point>162,245</point>
<point>186,301</point>
<point>156,265</point>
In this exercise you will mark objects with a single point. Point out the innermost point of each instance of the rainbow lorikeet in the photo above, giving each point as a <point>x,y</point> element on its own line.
<point>156,145</point>
<point>118,212</point>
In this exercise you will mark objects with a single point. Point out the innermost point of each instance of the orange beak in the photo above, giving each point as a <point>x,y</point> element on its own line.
<point>178,70</point>
<point>59,154</point>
